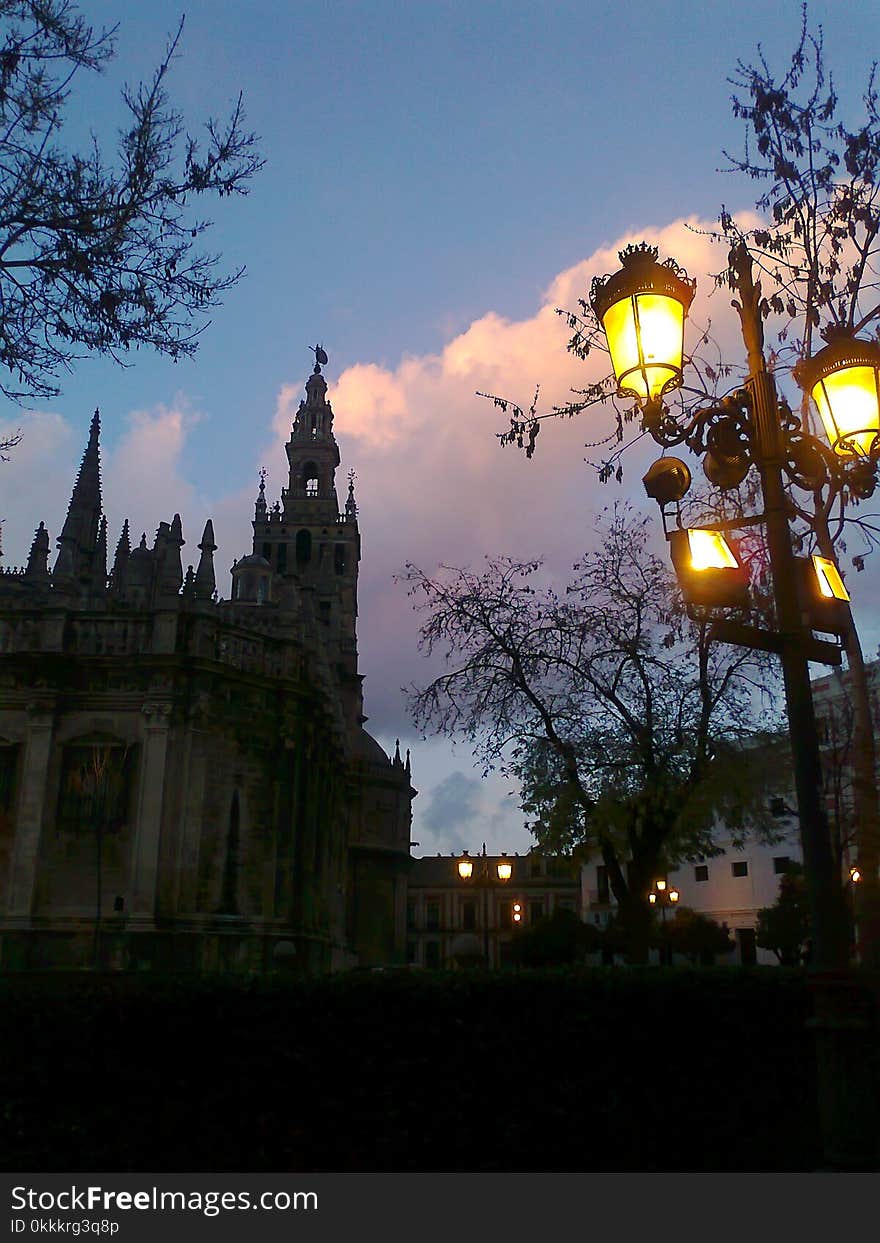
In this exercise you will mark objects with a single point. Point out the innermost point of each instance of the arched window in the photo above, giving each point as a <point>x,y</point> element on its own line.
<point>310,479</point>
<point>95,787</point>
<point>303,547</point>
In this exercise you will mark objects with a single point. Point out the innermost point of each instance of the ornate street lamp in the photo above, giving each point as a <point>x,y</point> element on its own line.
<point>642,310</point>
<point>843,380</point>
<point>483,879</point>
<point>753,427</point>
<point>663,897</point>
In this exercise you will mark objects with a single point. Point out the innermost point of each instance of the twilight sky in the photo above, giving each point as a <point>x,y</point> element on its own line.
<point>439,178</point>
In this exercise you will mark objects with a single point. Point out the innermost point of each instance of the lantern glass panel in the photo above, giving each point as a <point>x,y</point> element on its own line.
<point>645,335</point>
<point>710,551</point>
<point>847,401</point>
<point>829,580</point>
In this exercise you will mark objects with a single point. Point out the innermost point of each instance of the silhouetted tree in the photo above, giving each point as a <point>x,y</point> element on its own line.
<point>557,940</point>
<point>620,719</point>
<point>784,928</point>
<point>695,936</point>
<point>99,254</point>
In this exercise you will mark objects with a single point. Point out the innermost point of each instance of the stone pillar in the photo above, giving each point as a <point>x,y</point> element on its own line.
<point>148,823</point>
<point>30,814</point>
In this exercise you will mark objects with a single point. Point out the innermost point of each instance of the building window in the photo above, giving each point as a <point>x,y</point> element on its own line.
<point>339,558</point>
<point>282,558</point>
<point>781,864</point>
<point>7,787</point>
<point>602,892</point>
<point>432,954</point>
<point>536,866</point>
<point>410,914</point>
<point>310,479</point>
<point>432,916</point>
<point>504,915</point>
<point>469,916</point>
<point>739,869</point>
<point>303,547</point>
<point>701,872</point>
<point>748,955</point>
<point>536,911</point>
<point>94,789</point>
<point>412,952</point>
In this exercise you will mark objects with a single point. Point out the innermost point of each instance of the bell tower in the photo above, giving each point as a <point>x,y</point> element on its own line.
<point>312,455</point>
<point>307,537</point>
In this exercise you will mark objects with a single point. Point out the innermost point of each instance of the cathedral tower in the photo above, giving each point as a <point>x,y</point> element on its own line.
<point>306,535</point>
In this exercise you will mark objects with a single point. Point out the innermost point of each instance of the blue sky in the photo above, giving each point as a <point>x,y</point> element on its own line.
<point>437,178</point>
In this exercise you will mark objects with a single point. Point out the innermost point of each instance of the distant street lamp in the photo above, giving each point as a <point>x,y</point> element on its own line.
<point>484,877</point>
<point>662,897</point>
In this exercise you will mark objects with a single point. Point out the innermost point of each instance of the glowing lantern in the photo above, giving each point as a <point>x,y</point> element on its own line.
<point>504,871</point>
<point>642,309</point>
<point>465,868</point>
<point>828,579</point>
<point>708,569</point>
<point>843,380</point>
<point>823,597</point>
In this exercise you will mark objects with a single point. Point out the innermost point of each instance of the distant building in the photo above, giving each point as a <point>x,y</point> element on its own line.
<point>451,919</point>
<point>729,888</point>
<point>185,781</point>
<point>834,724</point>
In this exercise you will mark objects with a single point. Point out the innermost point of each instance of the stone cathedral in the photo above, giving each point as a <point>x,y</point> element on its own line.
<point>185,780</point>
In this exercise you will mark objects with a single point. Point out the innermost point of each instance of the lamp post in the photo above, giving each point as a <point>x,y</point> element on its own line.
<point>483,879</point>
<point>662,896</point>
<point>642,309</point>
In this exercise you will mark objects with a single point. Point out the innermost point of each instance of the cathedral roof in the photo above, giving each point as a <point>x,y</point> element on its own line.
<point>366,748</point>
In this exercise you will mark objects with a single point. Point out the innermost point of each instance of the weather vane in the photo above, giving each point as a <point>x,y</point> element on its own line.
<point>320,355</point>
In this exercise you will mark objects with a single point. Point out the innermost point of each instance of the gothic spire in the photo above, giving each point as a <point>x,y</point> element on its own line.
<point>120,560</point>
<point>351,508</point>
<point>38,560</point>
<point>169,541</point>
<point>260,506</point>
<point>99,567</point>
<point>78,540</point>
<point>205,581</point>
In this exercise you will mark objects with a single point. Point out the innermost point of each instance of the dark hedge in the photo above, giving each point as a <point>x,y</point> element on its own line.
<point>602,1070</point>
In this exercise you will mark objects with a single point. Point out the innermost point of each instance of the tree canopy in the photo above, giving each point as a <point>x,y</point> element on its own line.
<point>784,928</point>
<point>622,722</point>
<point>100,253</point>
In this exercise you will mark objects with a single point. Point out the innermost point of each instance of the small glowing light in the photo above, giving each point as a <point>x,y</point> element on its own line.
<point>855,875</point>
<point>710,550</point>
<point>652,898</point>
<point>504,871</point>
<point>465,869</point>
<point>829,580</point>
<point>673,895</point>
<point>660,884</point>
